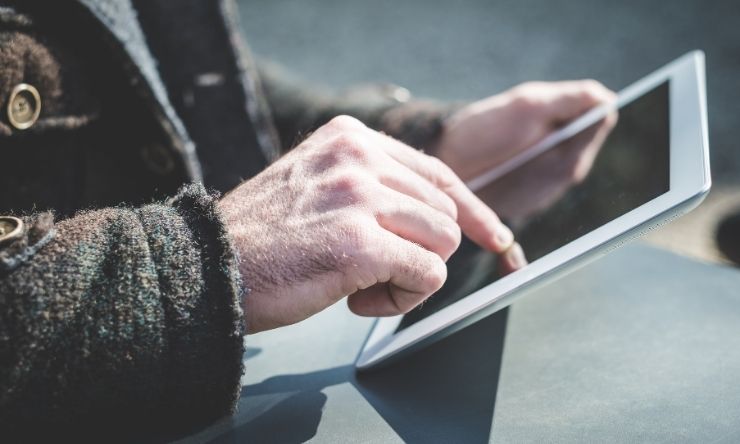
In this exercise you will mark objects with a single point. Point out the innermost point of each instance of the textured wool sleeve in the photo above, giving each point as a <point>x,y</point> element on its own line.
<point>299,108</point>
<point>120,321</point>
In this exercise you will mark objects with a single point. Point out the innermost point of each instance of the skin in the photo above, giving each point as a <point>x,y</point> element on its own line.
<point>353,213</point>
<point>491,131</point>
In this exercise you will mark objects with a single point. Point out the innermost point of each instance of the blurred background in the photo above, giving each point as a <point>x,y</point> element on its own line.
<point>468,49</point>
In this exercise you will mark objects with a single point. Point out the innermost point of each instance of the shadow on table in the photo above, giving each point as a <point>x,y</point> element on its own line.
<point>287,418</point>
<point>443,393</point>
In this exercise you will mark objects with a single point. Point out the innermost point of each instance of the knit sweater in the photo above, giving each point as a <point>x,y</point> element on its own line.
<point>120,313</point>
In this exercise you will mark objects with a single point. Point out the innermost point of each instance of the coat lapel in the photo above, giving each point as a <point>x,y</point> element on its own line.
<point>118,19</point>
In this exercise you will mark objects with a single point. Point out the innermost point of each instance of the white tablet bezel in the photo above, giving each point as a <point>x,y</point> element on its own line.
<point>689,182</point>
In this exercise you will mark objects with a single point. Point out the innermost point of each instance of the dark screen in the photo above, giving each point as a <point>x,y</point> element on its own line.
<point>631,169</point>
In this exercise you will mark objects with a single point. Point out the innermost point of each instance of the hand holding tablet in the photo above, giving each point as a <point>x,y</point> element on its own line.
<point>653,167</point>
<point>550,141</point>
<point>513,139</point>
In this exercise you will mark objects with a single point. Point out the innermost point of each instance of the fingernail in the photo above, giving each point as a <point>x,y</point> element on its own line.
<point>504,237</point>
<point>516,254</point>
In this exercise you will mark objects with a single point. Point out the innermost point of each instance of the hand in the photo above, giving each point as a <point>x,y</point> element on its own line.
<point>351,212</point>
<point>491,131</point>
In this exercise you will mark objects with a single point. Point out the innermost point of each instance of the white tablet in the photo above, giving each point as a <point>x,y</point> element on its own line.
<point>653,167</point>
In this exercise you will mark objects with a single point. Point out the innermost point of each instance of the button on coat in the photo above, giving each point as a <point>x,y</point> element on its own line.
<point>24,106</point>
<point>11,228</point>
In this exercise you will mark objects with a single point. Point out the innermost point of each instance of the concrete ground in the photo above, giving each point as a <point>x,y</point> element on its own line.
<point>466,49</point>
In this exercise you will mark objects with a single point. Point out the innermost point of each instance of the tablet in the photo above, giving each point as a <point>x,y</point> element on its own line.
<point>653,167</point>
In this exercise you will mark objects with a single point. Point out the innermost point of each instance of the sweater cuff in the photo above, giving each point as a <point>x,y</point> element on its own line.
<point>203,315</point>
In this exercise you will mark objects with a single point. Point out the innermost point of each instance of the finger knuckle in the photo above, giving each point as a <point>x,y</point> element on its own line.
<point>350,146</point>
<point>344,149</point>
<point>348,186</point>
<point>443,201</point>
<point>452,236</point>
<point>523,98</point>
<point>443,173</point>
<point>345,122</point>
<point>438,165</point>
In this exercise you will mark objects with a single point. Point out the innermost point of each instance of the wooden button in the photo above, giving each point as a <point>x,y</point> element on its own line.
<point>11,228</point>
<point>24,106</point>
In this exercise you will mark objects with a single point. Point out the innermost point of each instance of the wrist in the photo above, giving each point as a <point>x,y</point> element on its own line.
<point>452,136</point>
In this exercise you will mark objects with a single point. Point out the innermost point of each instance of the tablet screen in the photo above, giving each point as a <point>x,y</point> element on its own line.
<point>631,169</point>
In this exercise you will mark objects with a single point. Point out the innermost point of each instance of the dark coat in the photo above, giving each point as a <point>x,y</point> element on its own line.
<point>119,304</point>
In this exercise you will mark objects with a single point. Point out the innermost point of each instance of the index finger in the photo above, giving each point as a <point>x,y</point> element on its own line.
<point>476,219</point>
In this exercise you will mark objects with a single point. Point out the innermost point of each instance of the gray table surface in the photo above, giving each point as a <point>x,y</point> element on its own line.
<point>641,346</point>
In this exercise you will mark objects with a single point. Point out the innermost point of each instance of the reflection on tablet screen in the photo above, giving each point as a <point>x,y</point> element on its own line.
<point>631,169</point>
